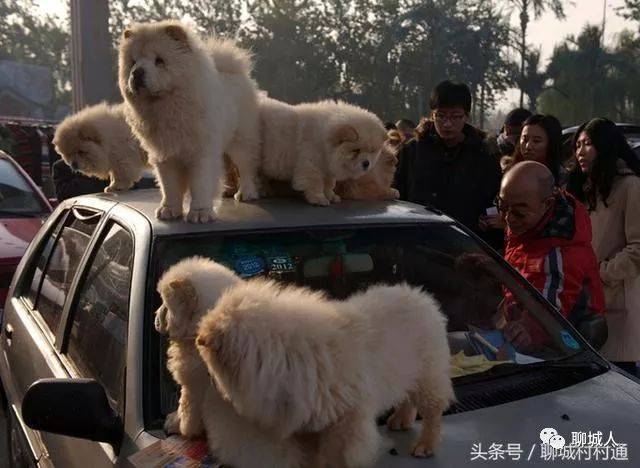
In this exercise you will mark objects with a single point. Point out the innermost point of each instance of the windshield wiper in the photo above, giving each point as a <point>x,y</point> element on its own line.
<point>588,365</point>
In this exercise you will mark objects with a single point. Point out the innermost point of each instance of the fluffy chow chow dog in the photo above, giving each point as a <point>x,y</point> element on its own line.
<point>314,145</point>
<point>189,101</point>
<point>188,289</point>
<point>98,142</point>
<point>294,361</point>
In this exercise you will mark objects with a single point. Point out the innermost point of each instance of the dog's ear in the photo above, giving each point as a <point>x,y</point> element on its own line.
<point>177,33</point>
<point>127,33</point>
<point>90,133</point>
<point>183,290</point>
<point>342,134</point>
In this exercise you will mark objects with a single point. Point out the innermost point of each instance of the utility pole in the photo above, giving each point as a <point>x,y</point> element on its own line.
<point>93,71</point>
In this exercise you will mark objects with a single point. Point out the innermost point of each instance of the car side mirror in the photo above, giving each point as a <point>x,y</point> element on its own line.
<point>72,407</point>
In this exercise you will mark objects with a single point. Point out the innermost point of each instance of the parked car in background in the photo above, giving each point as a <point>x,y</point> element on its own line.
<point>79,355</point>
<point>23,209</point>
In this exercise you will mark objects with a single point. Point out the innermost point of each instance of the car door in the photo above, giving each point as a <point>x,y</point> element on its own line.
<point>34,315</point>
<point>94,338</point>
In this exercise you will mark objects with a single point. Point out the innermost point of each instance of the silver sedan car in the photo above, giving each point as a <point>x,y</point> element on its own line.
<point>83,370</point>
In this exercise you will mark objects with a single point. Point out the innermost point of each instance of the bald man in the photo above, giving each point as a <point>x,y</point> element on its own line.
<point>549,242</point>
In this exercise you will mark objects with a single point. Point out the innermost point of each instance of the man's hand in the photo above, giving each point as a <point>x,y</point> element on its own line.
<point>517,333</point>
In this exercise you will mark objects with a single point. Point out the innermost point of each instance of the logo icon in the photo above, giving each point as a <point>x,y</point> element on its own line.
<point>550,436</point>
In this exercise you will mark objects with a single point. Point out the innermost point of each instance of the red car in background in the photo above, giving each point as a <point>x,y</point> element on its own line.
<point>23,209</point>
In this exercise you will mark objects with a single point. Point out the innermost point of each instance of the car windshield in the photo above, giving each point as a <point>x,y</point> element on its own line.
<point>477,292</point>
<point>16,195</point>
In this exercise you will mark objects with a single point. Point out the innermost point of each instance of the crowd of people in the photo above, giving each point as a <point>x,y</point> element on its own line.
<point>569,223</point>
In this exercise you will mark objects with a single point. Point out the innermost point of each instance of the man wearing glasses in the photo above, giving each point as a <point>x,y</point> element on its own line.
<point>549,243</point>
<point>449,164</point>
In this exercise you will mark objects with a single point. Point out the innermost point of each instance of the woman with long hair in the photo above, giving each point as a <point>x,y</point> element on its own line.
<point>609,172</point>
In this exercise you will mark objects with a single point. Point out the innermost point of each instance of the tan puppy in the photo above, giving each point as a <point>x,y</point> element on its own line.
<point>188,289</point>
<point>293,361</point>
<point>314,145</point>
<point>98,142</point>
<point>375,184</point>
<point>189,102</point>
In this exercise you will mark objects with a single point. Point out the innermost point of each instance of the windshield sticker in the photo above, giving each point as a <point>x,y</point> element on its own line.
<point>568,340</point>
<point>249,266</point>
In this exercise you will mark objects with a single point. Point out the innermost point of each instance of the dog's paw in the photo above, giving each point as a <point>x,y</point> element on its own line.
<point>166,212</point>
<point>112,188</point>
<point>316,199</point>
<point>393,194</point>
<point>172,423</point>
<point>402,418</point>
<point>246,195</point>
<point>334,198</point>
<point>422,450</point>
<point>201,215</point>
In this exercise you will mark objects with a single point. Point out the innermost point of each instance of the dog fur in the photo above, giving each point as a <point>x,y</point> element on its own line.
<point>190,101</point>
<point>314,145</point>
<point>188,289</point>
<point>98,142</point>
<point>293,361</point>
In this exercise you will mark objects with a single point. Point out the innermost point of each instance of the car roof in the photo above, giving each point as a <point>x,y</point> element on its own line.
<point>269,214</point>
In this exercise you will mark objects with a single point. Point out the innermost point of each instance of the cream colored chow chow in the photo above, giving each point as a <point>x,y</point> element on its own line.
<point>314,145</point>
<point>295,362</point>
<point>189,102</point>
<point>188,289</point>
<point>98,142</point>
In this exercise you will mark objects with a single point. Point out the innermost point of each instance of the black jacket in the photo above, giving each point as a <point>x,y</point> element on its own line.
<point>68,183</point>
<point>462,181</point>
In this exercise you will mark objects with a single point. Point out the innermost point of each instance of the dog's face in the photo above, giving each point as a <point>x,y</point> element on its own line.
<point>154,60</point>
<point>83,148</point>
<point>353,153</point>
<point>177,316</point>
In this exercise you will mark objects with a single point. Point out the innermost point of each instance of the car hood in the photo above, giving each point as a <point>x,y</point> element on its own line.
<point>608,402</point>
<point>15,236</point>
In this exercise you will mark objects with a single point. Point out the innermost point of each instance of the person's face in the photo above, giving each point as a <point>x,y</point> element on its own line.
<point>534,143</point>
<point>449,122</point>
<point>521,210</point>
<point>586,153</point>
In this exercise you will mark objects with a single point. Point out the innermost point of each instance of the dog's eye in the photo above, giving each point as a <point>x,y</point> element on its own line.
<point>159,62</point>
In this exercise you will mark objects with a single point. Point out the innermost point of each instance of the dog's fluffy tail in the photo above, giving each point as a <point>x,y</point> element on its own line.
<point>229,57</point>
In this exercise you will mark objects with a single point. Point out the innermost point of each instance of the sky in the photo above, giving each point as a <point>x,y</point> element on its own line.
<point>544,32</point>
<point>547,31</point>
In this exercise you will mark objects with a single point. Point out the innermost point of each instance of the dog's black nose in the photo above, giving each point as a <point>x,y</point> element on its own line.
<point>138,78</point>
<point>365,165</point>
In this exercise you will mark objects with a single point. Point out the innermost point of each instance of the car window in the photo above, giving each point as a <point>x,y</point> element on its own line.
<point>97,341</point>
<point>56,266</point>
<point>16,195</point>
<point>480,296</point>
